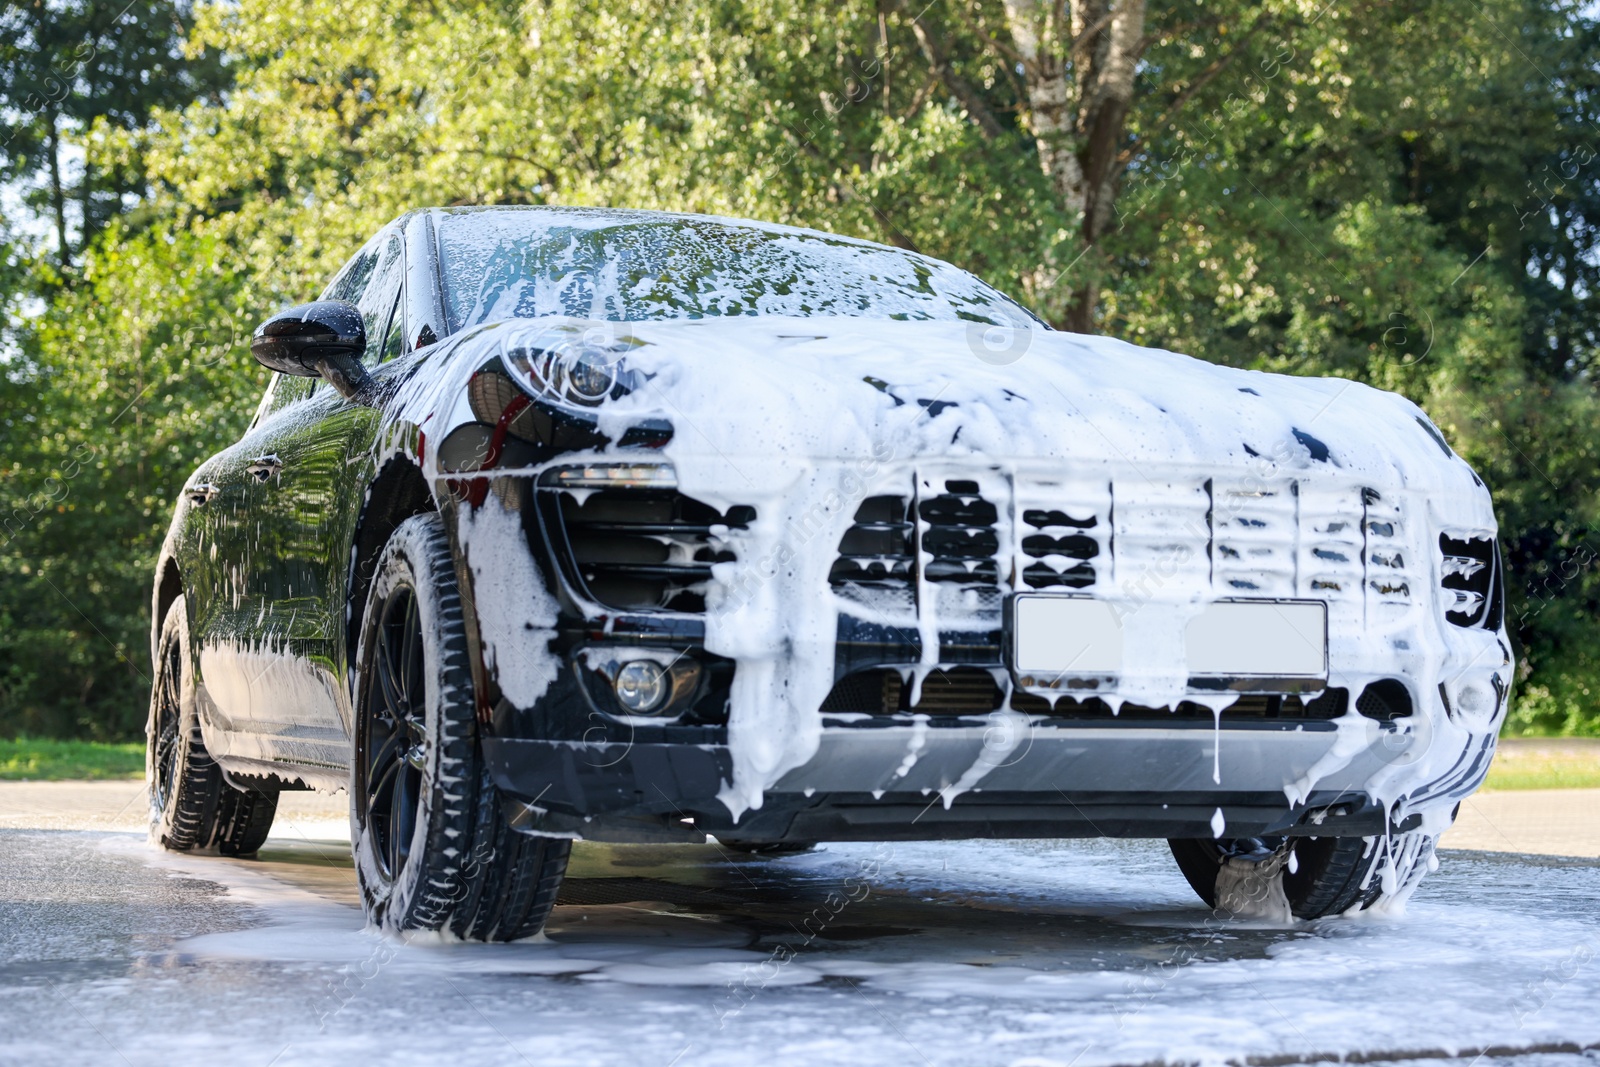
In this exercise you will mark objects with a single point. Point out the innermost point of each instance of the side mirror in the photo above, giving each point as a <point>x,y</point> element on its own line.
<point>322,339</point>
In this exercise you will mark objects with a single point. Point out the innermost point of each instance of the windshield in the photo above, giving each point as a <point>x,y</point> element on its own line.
<point>628,266</point>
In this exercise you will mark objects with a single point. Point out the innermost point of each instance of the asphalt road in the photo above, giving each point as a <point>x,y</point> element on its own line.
<point>1026,953</point>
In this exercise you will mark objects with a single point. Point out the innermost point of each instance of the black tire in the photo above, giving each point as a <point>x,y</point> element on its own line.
<point>191,805</point>
<point>519,875</point>
<point>432,847</point>
<point>1331,875</point>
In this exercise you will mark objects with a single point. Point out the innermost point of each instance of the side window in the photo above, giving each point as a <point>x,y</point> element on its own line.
<point>394,340</point>
<point>283,390</point>
<point>351,282</point>
<point>382,296</point>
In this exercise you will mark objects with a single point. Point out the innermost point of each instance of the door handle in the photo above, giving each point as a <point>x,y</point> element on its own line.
<point>201,493</point>
<point>263,468</point>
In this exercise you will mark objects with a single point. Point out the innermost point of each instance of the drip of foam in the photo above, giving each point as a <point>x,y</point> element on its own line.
<point>517,615</point>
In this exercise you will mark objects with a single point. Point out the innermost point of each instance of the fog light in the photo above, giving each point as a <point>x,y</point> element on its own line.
<point>641,685</point>
<point>1477,700</point>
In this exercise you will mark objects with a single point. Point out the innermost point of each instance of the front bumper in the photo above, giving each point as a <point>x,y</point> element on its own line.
<point>580,767</point>
<point>893,782</point>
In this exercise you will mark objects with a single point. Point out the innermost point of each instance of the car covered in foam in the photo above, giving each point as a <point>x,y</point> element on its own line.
<point>561,524</point>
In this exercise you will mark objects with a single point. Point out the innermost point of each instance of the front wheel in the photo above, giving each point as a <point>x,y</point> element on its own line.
<point>432,847</point>
<point>1319,875</point>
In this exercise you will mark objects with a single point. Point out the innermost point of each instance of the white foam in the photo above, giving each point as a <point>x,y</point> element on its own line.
<point>780,415</point>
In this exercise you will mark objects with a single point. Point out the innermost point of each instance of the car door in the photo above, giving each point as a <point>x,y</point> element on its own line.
<point>222,527</point>
<point>272,659</point>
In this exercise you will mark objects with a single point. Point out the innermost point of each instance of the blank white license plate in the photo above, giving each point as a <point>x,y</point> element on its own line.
<point>1065,635</point>
<point>1054,635</point>
<point>1275,638</point>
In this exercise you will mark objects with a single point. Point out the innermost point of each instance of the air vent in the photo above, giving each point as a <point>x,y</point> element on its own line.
<point>1250,707</point>
<point>876,550</point>
<point>642,548</point>
<point>881,691</point>
<point>1385,700</point>
<point>959,542</point>
<point>1472,582</point>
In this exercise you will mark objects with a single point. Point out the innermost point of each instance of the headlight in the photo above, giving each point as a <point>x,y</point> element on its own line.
<point>579,364</point>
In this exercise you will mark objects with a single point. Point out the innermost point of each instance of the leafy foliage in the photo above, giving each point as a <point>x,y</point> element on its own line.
<point>77,69</point>
<point>1401,193</point>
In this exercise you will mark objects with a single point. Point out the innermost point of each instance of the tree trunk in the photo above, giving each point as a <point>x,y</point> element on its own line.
<point>58,199</point>
<point>86,200</point>
<point>1037,34</point>
<point>1079,59</point>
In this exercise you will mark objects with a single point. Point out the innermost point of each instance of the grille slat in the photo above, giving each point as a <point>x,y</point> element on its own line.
<point>1253,539</point>
<point>876,551</point>
<point>1331,543</point>
<point>1064,530</point>
<point>960,539</point>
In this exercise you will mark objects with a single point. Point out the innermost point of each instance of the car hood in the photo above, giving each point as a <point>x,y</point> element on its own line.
<point>799,391</point>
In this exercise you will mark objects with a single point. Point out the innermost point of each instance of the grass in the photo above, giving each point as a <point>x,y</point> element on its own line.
<point>43,760</point>
<point>1531,766</point>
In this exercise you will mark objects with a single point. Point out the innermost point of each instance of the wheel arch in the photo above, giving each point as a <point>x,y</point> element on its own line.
<point>395,495</point>
<point>168,588</point>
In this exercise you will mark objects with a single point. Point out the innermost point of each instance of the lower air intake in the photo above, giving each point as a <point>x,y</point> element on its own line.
<point>1472,582</point>
<point>640,548</point>
<point>974,691</point>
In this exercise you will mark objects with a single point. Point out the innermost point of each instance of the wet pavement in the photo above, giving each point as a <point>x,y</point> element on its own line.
<point>1026,953</point>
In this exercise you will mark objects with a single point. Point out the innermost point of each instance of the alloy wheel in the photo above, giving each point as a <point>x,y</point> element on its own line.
<point>394,731</point>
<point>169,714</point>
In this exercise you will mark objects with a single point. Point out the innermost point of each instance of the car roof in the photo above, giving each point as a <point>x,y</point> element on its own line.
<point>605,215</point>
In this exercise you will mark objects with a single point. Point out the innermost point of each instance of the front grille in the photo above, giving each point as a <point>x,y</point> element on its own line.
<point>1234,536</point>
<point>1473,584</point>
<point>641,548</point>
<point>973,691</point>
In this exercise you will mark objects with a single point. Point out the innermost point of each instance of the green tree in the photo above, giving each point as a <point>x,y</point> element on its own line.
<point>1401,193</point>
<point>134,373</point>
<point>66,67</point>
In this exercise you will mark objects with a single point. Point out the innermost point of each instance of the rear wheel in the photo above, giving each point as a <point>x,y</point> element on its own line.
<point>432,847</point>
<point>1320,875</point>
<point>191,804</point>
